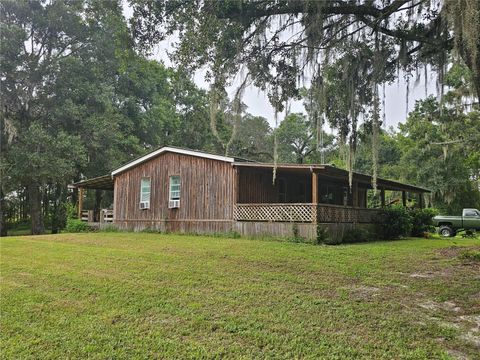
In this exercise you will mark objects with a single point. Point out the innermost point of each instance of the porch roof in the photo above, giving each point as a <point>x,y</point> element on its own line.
<point>104,182</point>
<point>336,173</point>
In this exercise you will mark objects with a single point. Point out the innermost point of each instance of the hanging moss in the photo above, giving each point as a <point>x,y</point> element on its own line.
<point>275,149</point>
<point>237,112</point>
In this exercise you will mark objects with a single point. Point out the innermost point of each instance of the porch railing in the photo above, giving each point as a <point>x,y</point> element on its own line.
<point>106,215</point>
<point>301,212</point>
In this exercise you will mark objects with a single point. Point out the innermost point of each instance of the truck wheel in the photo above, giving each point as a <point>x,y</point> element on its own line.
<point>446,231</point>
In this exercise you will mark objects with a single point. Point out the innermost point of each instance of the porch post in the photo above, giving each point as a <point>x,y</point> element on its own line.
<point>314,196</point>
<point>355,194</point>
<point>80,202</point>
<point>382,197</point>
<point>404,198</point>
<point>314,188</point>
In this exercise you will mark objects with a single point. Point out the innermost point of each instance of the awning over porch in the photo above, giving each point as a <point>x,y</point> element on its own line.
<point>104,182</point>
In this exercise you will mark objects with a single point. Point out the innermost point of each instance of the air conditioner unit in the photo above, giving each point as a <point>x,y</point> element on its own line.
<point>144,205</point>
<point>173,204</point>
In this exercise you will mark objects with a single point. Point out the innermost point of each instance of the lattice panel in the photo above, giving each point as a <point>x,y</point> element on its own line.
<point>275,212</point>
<point>303,213</point>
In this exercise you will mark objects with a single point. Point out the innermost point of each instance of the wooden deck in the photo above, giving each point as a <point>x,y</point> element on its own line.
<point>305,213</point>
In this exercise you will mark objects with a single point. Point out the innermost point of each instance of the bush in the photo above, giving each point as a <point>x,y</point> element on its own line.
<point>393,223</point>
<point>356,235</point>
<point>422,221</point>
<point>322,235</point>
<point>76,225</point>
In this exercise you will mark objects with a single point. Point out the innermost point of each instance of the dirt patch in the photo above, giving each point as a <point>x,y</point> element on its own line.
<point>457,355</point>
<point>471,338</point>
<point>362,292</point>
<point>423,276</point>
<point>448,306</point>
<point>472,320</point>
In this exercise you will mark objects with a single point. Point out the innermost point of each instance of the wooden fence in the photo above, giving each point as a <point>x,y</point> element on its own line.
<point>300,212</point>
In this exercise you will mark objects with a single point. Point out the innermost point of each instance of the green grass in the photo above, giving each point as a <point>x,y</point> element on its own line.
<point>140,295</point>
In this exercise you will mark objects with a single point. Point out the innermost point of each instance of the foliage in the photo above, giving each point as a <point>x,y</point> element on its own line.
<point>422,221</point>
<point>321,235</point>
<point>276,41</point>
<point>77,101</point>
<point>70,210</point>
<point>392,223</point>
<point>348,48</point>
<point>446,144</point>
<point>296,139</point>
<point>357,235</point>
<point>76,226</point>
<point>253,140</point>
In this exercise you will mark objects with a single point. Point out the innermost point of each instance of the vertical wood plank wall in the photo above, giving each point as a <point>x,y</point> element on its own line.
<point>206,200</point>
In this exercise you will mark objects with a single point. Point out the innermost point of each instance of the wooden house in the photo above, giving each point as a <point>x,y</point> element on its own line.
<point>180,190</point>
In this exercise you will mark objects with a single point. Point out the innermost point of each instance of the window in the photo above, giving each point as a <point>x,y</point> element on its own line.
<point>145,185</point>
<point>470,213</point>
<point>174,199</point>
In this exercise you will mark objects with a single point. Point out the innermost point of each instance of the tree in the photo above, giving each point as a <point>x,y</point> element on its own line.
<point>254,139</point>
<point>277,43</point>
<point>440,150</point>
<point>297,141</point>
<point>59,63</point>
<point>231,33</point>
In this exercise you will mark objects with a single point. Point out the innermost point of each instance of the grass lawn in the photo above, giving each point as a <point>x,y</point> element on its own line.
<point>139,295</point>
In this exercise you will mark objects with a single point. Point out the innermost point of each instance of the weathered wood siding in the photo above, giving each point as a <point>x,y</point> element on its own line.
<point>206,200</point>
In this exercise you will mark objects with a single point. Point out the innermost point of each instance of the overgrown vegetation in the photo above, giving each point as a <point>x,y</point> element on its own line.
<point>76,226</point>
<point>392,223</point>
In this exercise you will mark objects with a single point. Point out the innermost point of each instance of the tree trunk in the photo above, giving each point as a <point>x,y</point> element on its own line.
<point>35,202</point>
<point>3,218</point>
<point>57,209</point>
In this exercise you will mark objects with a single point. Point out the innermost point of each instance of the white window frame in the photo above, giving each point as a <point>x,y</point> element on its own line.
<point>142,192</point>
<point>171,191</point>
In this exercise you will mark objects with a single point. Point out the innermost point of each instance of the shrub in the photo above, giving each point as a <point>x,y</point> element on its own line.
<point>422,221</point>
<point>392,223</point>
<point>76,225</point>
<point>322,235</point>
<point>356,235</point>
<point>70,210</point>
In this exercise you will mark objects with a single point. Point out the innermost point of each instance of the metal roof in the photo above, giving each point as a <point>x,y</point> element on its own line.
<point>104,182</point>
